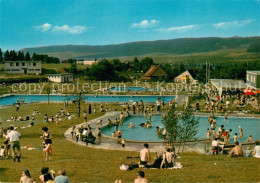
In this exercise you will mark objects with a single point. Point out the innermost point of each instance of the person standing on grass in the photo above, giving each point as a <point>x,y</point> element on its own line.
<point>73,132</point>
<point>47,138</point>
<point>140,178</point>
<point>14,137</point>
<point>6,144</point>
<point>99,135</point>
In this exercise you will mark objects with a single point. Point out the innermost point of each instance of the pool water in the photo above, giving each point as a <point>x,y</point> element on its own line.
<point>10,100</point>
<point>250,126</point>
<point>131,88</point>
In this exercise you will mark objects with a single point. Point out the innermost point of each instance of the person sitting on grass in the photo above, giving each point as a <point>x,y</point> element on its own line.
<point>236,151</point>
<point>140,178</point>
<point>145,155</point>
<point>61,178</point>
<point>257,150</point>
<point>26,177</point>
<point>249,152</point>
<point>168,157</point>
<point>46,175</point>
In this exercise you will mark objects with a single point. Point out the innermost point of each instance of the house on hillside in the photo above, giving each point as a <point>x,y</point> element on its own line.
<point>61,78</point>
<point>23,67</point>
<point>253,79</point>
<point>155,72</point>
<point>86,62</point>
<point>184,77</point>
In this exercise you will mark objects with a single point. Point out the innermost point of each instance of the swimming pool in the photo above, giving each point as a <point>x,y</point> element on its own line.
<point>9,100</point>
<point>249,126</point>
<point>131,88</point>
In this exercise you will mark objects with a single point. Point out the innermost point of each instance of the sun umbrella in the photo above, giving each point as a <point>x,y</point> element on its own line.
<point>249,92</point>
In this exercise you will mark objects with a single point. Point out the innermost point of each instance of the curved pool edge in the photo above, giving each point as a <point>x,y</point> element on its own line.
<point>110,143</point>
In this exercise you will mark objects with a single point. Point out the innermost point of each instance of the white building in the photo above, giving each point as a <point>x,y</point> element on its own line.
<point>86,62</point>
<point>253,79</point>
<point>61,78</point>
<point>227,85</point>
<point>23,67</point>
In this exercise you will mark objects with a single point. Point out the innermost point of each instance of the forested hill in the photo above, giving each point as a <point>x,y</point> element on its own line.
<point>172,46</point>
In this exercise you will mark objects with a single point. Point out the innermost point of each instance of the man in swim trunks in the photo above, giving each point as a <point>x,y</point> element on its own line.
<point>145,155</point>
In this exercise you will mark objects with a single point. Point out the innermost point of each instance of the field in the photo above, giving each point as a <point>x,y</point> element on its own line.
<point>219,56</point>
<point>85,164</point>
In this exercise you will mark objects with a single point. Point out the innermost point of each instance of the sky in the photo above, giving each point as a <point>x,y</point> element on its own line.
<point>33,23</point>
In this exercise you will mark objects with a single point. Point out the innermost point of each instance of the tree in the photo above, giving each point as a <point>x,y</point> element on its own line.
<point>74,68</point>
<point>34,57</point>
<point>20,56</point>
<point>146,63</point>
<point>170,122</point>
<point>136,65</point>
<point>187,126</point>
<point>1,56</point>
<point>180,127</point>
<point>27,56</point>
<point>13,55</point>
<point>7,55</point>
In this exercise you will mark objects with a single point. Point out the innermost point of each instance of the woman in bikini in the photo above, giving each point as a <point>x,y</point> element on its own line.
<point>47,143</point>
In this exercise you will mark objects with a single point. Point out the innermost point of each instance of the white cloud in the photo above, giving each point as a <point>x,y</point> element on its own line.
<point>179,29</point>
<point>69,29</point>
<point>223,25</point>
<point>44,27</point>
<point>145,24</point>
<point>77,29</point>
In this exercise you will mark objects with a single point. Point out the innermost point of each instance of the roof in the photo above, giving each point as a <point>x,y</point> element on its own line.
<point>228,83</point>
<point>152,70</point>
<point>20,61</point>
<point>185,73</point>
<point>254,72</point>
<point>61,74</point>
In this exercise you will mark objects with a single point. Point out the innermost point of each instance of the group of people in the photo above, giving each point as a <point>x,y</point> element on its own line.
<point>221,138</point>
<point>45,177</point>
<point>11,139</point>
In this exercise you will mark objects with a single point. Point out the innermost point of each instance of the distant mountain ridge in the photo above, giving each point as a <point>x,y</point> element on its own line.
<point>172,46</point>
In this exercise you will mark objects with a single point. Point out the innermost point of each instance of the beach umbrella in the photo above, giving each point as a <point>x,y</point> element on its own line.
<point>257,92</point>
<point>249,92</point>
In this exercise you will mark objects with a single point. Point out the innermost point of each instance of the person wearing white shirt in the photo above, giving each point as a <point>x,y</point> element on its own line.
<point>257,150</point>
<point>14,137</point>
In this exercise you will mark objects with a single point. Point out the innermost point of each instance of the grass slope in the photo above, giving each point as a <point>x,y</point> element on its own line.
<point>92,165</point>
<point>172,46</point>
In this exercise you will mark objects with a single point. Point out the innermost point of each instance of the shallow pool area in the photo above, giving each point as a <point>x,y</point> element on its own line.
<point>131,88</point>
<point>250,126</point>
<point>10,100</point>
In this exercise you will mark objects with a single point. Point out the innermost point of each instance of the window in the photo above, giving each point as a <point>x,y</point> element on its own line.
<point>7,70</point>
<point>31,69</point>
<point>23,64</point>
<point>11,64</point>
<point>17,64</point>
<point>37,69</point>
<point>34,64</point>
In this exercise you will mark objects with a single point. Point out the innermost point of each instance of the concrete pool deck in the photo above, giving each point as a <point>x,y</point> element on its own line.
<point>109,143</point>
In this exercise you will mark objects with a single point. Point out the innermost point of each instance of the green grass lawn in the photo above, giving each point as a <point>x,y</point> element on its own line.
<point>94,165</point>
